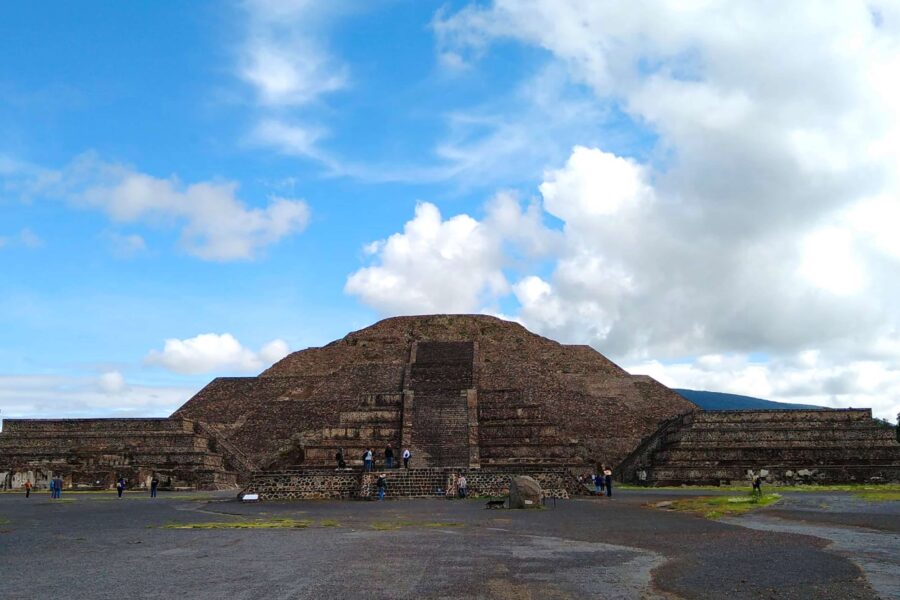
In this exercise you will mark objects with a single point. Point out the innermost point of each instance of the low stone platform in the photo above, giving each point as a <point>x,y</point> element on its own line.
<point>784,446</point>
<point>94,453</point>
<point>430,482</point>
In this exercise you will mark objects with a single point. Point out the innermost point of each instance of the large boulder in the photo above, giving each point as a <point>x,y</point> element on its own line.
<point>525,492</point>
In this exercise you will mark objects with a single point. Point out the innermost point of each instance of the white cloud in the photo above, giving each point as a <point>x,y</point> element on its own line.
<point>111,382</point>
<point>214,223</point>
<point>433,266</point>
<point>273,352</point>
<point>285,61</point>
<point>211,352</point>
<point>288,138</point>
<point>452,265</point>
<point>41,396</point>
<point>282,57</point>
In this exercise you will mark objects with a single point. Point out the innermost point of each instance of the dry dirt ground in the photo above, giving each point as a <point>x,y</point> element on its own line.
<point>97,546</point>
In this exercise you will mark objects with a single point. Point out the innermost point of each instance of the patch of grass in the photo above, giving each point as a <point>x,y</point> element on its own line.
<point>714,507</point>
<point>329,523</point>
<point>4,521</point>
<point>856,488</point>
<point>257,524</point>
<point>879,495</point>
<point>698,488</point>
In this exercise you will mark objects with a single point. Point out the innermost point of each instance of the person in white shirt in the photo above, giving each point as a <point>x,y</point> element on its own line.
<point>406,456</point>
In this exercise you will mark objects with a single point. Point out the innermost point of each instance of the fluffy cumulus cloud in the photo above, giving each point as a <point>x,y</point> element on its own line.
<point>214,223</point>
<point>453,265</point>
<point>211,352</point>
<point>762,222</point>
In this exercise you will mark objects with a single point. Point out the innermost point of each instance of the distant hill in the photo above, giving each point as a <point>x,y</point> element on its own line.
<point>720,401</point>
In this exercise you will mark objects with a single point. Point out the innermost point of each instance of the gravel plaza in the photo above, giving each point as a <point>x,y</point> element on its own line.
<point>208,545</point>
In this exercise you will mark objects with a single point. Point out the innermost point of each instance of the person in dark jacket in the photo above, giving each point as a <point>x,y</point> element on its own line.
<point>339,457</point>
<point>388,457</point>
<point>381,484</point>
<point>120,486</point>
<point>607,476</point>
<point>154,483</point>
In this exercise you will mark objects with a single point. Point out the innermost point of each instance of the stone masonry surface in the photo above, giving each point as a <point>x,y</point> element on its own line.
<point>782,446</point>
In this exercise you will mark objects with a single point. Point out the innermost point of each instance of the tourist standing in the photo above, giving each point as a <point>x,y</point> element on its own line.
<point>27,488</point>
<point>598,483</point>
<point>339,457</point>
<point>367,460</point>
<point>462,486</point>
<point>607,475</point>
<point>388,457</point>
<point>406,456</point>
<point>154,483</point>
<point>381,484</point>
<point>120,486</point>
<point>757,485</point>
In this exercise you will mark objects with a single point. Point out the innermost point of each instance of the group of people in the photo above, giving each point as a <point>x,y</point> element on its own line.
<point>56,486</point>
<point>121,484</point>
<point>369,458</point>
<point>601,480</point>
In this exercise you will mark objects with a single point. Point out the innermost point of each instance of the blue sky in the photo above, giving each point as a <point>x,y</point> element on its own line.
<point>192,189</point>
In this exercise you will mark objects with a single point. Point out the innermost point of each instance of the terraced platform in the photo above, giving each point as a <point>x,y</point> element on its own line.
<point>802,446</point>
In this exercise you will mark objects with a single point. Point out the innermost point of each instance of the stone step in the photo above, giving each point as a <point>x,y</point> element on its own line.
<point>815,453</point>
<point>529,462</point>
<point>363,433</point>
<point>384,400</point>
<point>370,417</point>
<point>783,444</point>
<point>52,426</point>
<point>93,457</point>
<point>534,452</point>
<point>774,462</point>
<point>98,441</point>
<point>800,435</point>
<point>788,425</point>
<point>509,413</point>
<point>513,422</point>
<point>763,416</point>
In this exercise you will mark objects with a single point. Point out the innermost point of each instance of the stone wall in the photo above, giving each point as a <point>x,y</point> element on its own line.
<point>788,446</point>
<point>433,482</point>
<point>94,453</point>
